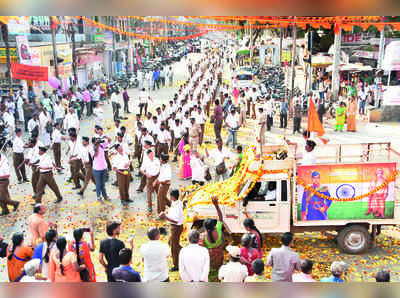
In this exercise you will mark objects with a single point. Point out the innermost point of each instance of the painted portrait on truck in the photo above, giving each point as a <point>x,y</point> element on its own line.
<point>346,191</point>
<point>313,207</point>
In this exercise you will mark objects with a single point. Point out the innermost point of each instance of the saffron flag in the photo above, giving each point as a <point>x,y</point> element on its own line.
<point>313,121</point>
<point>139,62</point>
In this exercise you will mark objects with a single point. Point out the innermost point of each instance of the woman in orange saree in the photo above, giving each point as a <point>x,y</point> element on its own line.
<point>17,256</point>
<point>351,115</point>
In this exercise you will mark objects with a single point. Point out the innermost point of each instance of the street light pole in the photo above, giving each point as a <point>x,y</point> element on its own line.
<point>53,39</point>
<point>293,62</point>
<point>380,60</point>
<point>336,61</point>
<point>4,32</point>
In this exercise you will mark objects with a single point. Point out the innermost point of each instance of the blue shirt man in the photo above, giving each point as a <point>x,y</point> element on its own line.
<point>312,206</point>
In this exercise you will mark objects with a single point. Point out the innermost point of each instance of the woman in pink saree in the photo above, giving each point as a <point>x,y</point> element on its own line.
<point>185,171</point>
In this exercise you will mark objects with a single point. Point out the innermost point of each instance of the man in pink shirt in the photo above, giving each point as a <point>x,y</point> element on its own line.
<point>37,225</point>
<point>306,270</point>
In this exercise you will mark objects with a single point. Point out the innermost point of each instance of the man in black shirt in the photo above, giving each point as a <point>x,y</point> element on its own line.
<point>125,272</point>
<point>110,248</point>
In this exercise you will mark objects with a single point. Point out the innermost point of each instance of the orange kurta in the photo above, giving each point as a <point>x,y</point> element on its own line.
<point>351,116</point>
<point>16,265</point>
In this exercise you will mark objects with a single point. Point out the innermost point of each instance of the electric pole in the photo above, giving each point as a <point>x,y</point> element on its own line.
<point>4,32</point>
<point>293,63</point>
<point>280,45</point>
<point>53,39</point>
<point>72,32</point>
<point>336,62</point>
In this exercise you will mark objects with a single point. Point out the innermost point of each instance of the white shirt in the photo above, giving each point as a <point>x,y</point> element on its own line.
<point>32,124</point>
<point>165,173</point>
<point>151,168</point>
<point>155,255</point>
<point>218,156</point>
<point>179,131</point>
<point>84,154</point>
<point>4,166</point>
<point>233,272</point>
<point>45,162</point>
<point>71,121</point>
<point>148,123</point>
<point>198,169</point>
<point>127,138</point>
<point>114,97</point>
<point>33,154</point>
<point>163,136</point>
<point>120,161</point>
<point>18,145</point>
<point>175,212</point>
<point>59,111</point>
<point>99,113</point>
<point>200,118</point>
<point>74,149</point>
<point>194,263</point>
<point>186,122</point>
<point>143,97</point>
<point>269,108</point>
<point>232,121</point>
<point>56,136</point>
<point>308,158</point>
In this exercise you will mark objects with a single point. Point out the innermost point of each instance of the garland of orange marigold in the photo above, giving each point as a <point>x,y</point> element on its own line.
<point>380,187</point>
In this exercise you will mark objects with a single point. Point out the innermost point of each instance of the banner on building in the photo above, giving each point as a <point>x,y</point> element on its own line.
<point>19,25</point>
<point>24,52</point>
<point>108,40</point>
<point>28,72</point>
<point>346,191</point>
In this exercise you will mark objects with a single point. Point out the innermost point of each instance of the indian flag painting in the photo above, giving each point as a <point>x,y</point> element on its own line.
<point>346,191</point>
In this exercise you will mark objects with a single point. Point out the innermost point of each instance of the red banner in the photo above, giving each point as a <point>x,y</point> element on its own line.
<point>28,72</point>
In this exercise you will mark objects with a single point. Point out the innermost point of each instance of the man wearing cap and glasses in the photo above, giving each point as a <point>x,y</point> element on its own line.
<point>233,271</point>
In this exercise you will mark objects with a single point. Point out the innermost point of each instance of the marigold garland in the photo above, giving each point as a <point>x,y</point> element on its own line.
<point>314,192</point>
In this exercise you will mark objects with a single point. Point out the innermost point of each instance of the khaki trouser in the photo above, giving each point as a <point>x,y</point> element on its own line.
<point>76,174</point>
<point>162,200</point>
<point>150,189</point>
<point>47,178</point>
<point>57,154</point>
<point>173,242</point>
<point>123,185</point>
<point>5,196</point>
<point>161,148</point>
<point>201,134</point>
<point>18,158</point>
<point>35,178</point>
<point>88,176</point>
<point>194,142</point>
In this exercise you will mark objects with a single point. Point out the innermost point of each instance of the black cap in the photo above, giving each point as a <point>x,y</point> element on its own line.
<point>18,130</point>
<point>147,142</point>
<point>86,139</point>
<point>44,149</point>
<point>164,157</point>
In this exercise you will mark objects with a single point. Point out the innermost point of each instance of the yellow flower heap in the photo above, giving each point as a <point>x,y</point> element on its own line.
<point>227,191</point>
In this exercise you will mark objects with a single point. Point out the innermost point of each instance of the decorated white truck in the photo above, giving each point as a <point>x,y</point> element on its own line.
<point>350,191</point>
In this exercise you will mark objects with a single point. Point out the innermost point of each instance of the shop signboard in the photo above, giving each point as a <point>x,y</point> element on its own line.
<point>99,38</point>
<point>108,40</point>
<point>19,25</point>
<point>24,52</point>
<point>13,55</point>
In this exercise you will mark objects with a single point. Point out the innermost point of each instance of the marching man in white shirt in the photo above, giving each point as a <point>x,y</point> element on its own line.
<point>150,168</point>
<point>75,161</point>
<point>71,121</point>
<point>200,120</point>
<point>5,198</point>
<point>218,155</point>
<point>176,219</point>
<point>163,139</point>
<point>46,177</point>
<point>194,260</point>
<point>18,156</point>
<point>56,144</point>
<point>232,124</point>
<point>163,183</point>
<point>121,164</point>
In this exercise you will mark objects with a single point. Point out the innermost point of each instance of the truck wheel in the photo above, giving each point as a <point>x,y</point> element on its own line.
<point>354,239</point>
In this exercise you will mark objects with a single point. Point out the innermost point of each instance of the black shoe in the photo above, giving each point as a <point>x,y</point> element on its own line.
<point>58,200</point>
<point>77,187</point>
<point>26,180</point>
<point>139,190</point>
<point>16,206</point>
<point>69,180</point>
<point>138,175</point>
<point>115,183</point>
<point>175,160</point>
<point>80,193</point>
<point>129,201</point>
<point>4,213</point>
<point>174,269</point>
<point>131,179</point>
<point>94,190</point>
<point>62,168</point>
<point>33,196</point>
